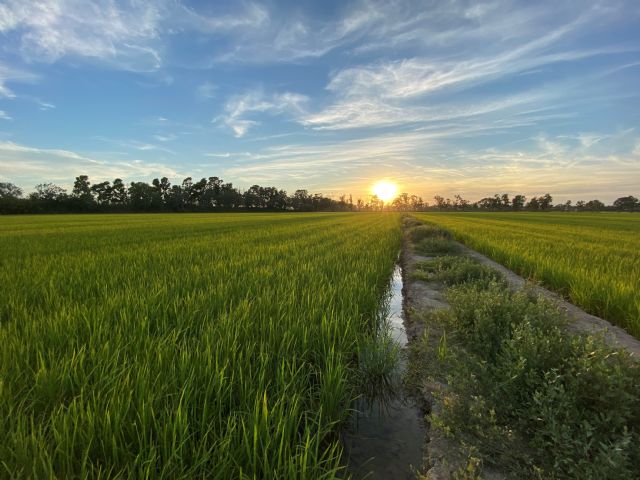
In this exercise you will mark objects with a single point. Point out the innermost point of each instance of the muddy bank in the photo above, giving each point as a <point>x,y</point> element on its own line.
<point>442,457</point>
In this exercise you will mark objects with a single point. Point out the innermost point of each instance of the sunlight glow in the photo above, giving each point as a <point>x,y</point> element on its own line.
<point>385,190</point>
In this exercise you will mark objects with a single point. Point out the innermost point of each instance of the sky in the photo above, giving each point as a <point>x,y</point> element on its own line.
<point>441,97</point>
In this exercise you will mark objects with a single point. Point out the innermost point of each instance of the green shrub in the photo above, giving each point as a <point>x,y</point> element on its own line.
<point>546,403</point>
<point>436,246</point>
<point>421,232</point>
<point>409,222</point>
<point>453,270</point>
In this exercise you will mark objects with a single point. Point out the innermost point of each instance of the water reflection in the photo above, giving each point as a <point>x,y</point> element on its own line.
<point>386,437</point>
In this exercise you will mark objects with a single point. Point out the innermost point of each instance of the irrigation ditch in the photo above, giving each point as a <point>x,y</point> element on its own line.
<point>501,378</point>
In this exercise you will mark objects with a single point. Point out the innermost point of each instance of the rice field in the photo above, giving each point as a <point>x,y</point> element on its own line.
<point>185,346</point>
<point>591,258</point>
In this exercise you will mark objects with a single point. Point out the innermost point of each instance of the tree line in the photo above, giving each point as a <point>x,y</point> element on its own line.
<point>543,203</point>
<point>213,194</point>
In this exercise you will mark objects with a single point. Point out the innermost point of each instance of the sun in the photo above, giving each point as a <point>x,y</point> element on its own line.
<point>385,190</point>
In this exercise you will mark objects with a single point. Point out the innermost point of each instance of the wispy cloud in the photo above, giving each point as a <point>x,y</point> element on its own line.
<point>47,31</point>
<point>411,90</point>
<point>206,91</point>
<point>165,138</point>
<point>122,34</point>
<point>240,108</point>
<point>4,115</point>
<point>11,74</point>
<point>25,165</point>
<point>429,165</point>
<point>136,145</point>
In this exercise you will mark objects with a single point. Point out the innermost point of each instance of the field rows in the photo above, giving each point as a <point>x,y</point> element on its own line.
<point>184,346</point>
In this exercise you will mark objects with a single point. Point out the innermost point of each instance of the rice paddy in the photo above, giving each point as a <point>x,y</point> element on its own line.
<point>592,259</point>
<point>185,346</point>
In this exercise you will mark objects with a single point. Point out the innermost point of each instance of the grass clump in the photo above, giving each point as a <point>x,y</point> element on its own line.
<point>410,222</point>
<point>378,363</point>
<point>453,270</point>
<point>420,232</point>
<point>533,399</point>
<point>436,246</point>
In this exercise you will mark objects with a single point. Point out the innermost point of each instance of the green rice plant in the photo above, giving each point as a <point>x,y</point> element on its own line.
<point>590,258</point>
<point>185,346</point>
<point>378,368</point>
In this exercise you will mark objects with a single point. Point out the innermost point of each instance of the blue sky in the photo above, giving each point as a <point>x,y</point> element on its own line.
<point>442,97</point>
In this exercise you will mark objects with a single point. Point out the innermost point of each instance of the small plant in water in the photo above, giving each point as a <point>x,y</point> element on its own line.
<point>378,366</point>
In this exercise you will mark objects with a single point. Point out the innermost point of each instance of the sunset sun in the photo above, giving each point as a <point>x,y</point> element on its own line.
<point>385,190</point>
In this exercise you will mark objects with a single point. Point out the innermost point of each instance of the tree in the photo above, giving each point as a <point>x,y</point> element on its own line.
<point>440,202</point>
<point>197,190</point>
<point>102,192</point>
<point>186,186</point>
<point>210,197</point>
<point>505,201</point>
<point>119,194</point>
<point>517,203</point>
<point>401,202</point>
<point>144,197</point>
<point>48,192</point>
<point>175,200</point>
<point>594,205</point>
<point>534,204</point>
<point>9,191</point>
<point>81,193</point>
<point>252,198</point>
<point>545,202</point>
<point>163,187</point>
<point>230,197</point>
<point>627,204</point>
<point>460,203</point>
<point>489,203</point>
<point>416,203</point>
<point>376,203</point>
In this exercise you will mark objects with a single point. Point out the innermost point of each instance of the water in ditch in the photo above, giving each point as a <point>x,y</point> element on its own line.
<point>385,439</point>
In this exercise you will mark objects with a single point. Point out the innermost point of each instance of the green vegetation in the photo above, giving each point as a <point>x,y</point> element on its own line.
<point>453,270</point>
<point>431,240</point>
<point>522,394</point>
<point>590,258</point>
<point>186,346</point>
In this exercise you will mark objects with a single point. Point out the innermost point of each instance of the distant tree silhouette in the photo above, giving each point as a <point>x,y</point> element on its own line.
<point>517,203</point>
<point>212,194</point>
<point>627,204</point>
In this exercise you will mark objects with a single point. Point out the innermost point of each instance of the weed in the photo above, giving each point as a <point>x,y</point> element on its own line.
<point>533,397</point>
<point>455,270</point>
<point>436,246</point>
<point>420,232</point>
